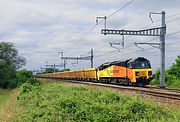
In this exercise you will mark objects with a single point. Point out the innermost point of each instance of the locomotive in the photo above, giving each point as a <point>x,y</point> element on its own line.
<point>137,72</point>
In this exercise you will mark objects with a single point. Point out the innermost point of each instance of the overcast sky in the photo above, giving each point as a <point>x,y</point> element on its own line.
<point>42,28</point>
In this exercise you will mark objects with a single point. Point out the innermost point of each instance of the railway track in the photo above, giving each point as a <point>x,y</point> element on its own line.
<point>149,90</point>
<point>167,89</point>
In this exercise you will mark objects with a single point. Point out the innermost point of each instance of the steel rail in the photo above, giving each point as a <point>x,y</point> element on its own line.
<point>167,89</point>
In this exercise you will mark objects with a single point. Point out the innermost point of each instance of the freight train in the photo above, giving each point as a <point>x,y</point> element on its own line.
<point>135,71</point>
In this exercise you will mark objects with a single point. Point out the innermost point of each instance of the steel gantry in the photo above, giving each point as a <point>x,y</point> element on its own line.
<point>146,32</point>
<point>81,58</point>
<point>64,63</point>
<point>54,66</point>
<point>159,31</point>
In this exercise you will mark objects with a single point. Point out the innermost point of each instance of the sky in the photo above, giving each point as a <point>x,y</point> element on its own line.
<point>42,28</point>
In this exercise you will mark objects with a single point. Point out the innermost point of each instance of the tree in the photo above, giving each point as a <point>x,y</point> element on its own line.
<point>10,62</point>
<point>50,70</point>
<point>9,55</point>
<point>172,74</point>
<point>7,76</point>
<point>64,70</point>
<point>175,68</point>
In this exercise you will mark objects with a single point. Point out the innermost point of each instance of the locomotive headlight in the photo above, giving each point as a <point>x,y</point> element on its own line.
<point>137,73</point>
<point>149,73</point>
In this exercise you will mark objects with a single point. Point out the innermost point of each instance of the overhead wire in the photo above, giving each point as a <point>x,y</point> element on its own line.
<point>121,8</point>
<point>115,13</point>
<point>157,37</point>
<point>118,11</point>
<point>97,56</point>
<point>173,33</point>
<point>160,20</point>
<point>148,26</point>
<point>94,26</point>
<point>156,22</point>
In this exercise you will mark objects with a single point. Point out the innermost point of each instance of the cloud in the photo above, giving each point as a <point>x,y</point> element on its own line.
<point>42,28</point>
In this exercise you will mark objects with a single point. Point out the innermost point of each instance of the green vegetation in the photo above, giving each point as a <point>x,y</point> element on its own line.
<point>4,96</point>
<point>50,70</point>
<point>58,102</point>
<point>24,76</point>
<point>8,105</point>
<point>10,62</point>
<point>64,70</point>
<point>172,75</point>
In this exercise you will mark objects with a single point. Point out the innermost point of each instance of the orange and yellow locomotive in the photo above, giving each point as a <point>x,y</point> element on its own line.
<point>136,71</point>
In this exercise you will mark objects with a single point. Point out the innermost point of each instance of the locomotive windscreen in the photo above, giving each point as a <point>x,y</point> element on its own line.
<point>142,64</point>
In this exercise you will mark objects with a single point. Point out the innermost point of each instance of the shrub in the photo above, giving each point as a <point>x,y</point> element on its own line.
<point>7,76</point>
<point>156,79</point>
<point>26,87</point>
<point>33,81</point>
<point>22,76</point>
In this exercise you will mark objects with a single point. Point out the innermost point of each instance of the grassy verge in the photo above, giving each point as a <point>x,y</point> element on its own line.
<point>7,104</point>
<point>59,102</point>
<point>4,96</point>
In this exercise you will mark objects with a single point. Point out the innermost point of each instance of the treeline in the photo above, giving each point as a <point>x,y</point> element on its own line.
<point>10,63</point>
<point>51,70</point>
<point>172,75</point>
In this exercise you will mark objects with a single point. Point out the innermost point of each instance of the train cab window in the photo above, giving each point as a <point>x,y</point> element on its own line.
<point>142,64</point>
<point>130,65</point>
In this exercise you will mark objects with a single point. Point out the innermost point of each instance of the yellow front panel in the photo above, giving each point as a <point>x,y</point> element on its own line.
<point>142,72</point>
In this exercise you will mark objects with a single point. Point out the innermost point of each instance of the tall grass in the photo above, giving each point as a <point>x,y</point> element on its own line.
<point>58,102</point>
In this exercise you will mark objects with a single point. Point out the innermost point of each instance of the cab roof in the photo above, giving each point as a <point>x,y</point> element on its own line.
<point>121,62</point>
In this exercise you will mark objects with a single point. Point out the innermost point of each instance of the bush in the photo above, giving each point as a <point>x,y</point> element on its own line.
<point>156,79</point>
<point>10,78</point>
<point>7,76</point>
<point>169,79</point>
<point>22,76</point>
<point>33,81</point>
<point>26,87</point>
<point>176,84</point>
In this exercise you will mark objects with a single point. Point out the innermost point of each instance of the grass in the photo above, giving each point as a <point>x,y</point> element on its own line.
<point>58,102</point>
<point>7,104</point>
<point>4,96</point>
